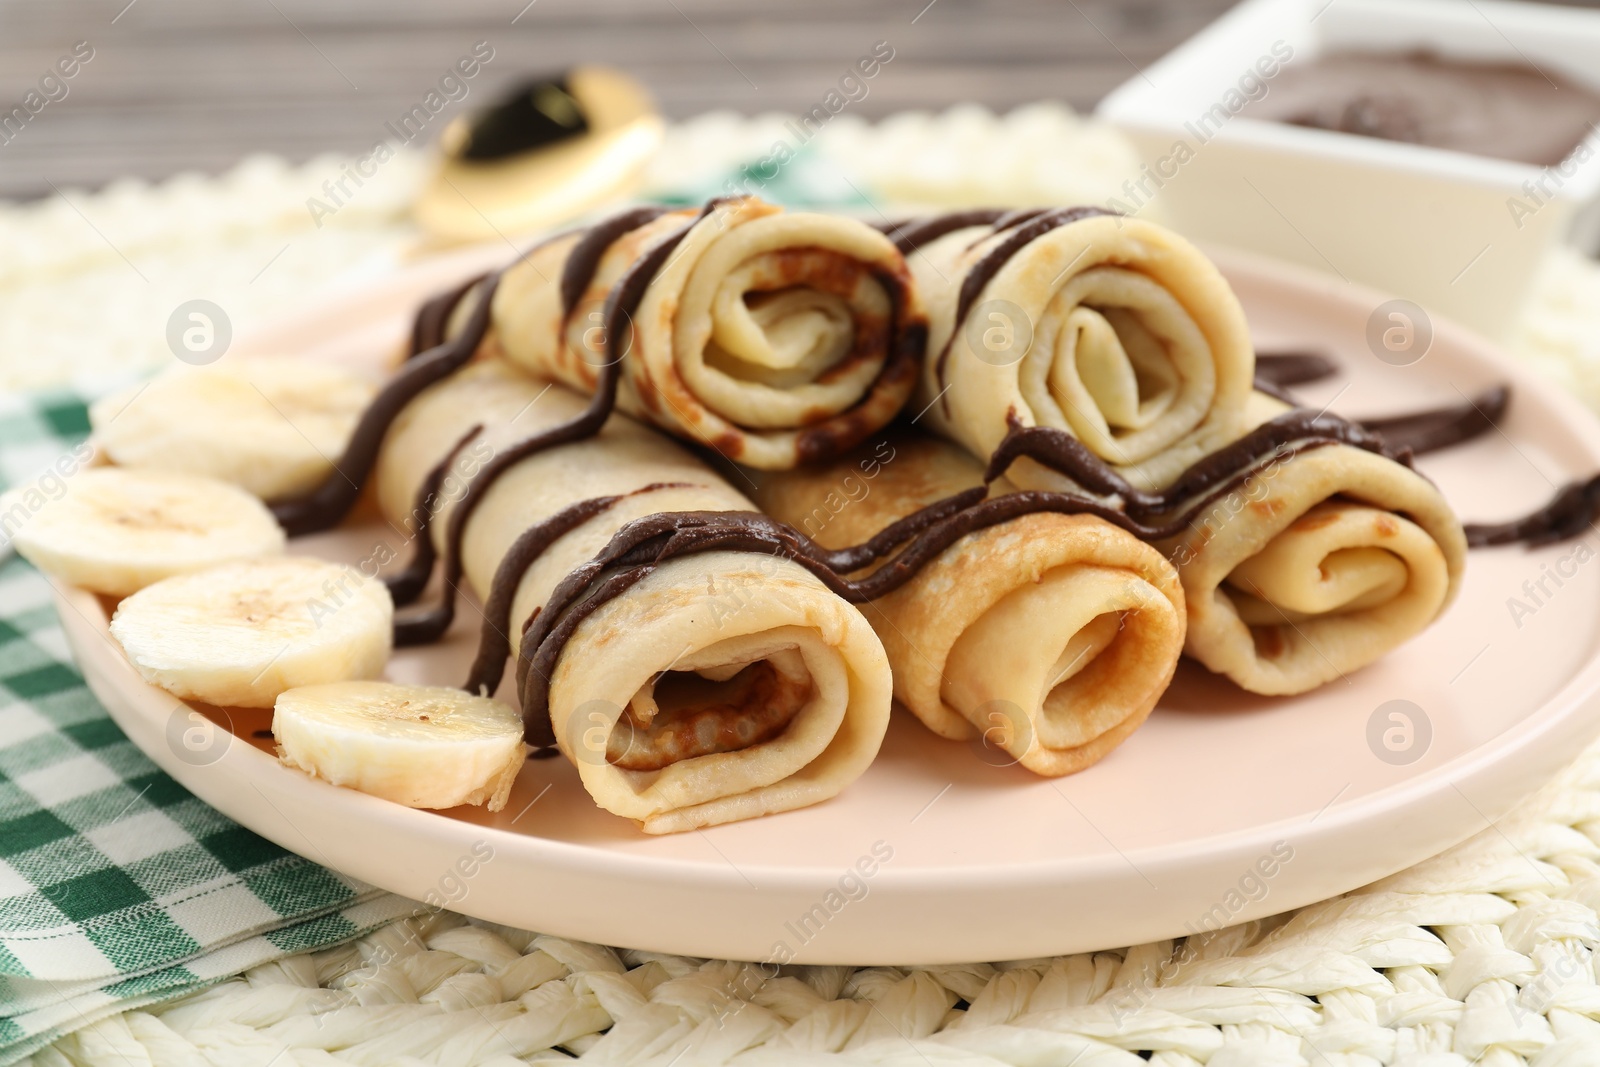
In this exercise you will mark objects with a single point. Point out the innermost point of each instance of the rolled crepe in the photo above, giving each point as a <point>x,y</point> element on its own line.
<point>774,337</point>
<point>722,686</point>
<point>1051,635</point>
<point>1315,566</point>
<point>1110,328</point>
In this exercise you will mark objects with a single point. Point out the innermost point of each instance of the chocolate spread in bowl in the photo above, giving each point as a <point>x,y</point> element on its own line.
<point>1511,111</point>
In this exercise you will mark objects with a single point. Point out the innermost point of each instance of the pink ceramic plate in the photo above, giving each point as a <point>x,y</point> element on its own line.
<point>1225,807</point>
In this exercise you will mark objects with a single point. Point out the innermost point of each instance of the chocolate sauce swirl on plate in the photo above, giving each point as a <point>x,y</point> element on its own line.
<point>1570,513</point>
<point>1418,432</point>
<point>1432,429</point>
<point>1294,368</point>
<point>1276,371</point>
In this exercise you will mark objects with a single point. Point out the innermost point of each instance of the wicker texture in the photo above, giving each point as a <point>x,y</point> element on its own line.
<point>1483,955</point>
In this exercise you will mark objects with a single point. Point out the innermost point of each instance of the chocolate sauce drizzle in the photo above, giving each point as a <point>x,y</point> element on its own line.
<point>1024,229</point>
<point>1276,371</point>
<point>494,644</point>
<point>910,235</point>
<point>1418,432</point>
<point>621,302</point>
<point>1572,511</point>
<point>1294,368</point>
<point>406,584</point>
<point>907,545</point>
<point>584,260</point>
<point>432,324</point>
<point>1064,453</point>
<point>330,502</point>
<point>642,545</point>
<point>635,551</point>
<point>904,547</point>
<point>434,357</point>
<point>1435,428</point>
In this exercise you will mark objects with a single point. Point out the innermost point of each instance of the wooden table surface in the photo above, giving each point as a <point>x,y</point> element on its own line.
<point>178,84</point>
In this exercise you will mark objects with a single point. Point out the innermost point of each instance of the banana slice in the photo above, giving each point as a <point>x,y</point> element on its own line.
<point>115,531</point>
<point>421,746</point>
<point>240,634</point>
<point>270,426</point>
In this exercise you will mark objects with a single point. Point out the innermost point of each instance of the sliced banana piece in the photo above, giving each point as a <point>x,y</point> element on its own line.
<point>421,746</point>
<point>271,426</point>
<point>240,634</point>
<point>115,531</point>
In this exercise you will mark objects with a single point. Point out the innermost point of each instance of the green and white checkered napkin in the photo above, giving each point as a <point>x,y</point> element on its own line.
<point>117,887</point>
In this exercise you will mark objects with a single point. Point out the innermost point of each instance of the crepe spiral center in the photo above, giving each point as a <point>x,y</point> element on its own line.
<point>684,715</point>
<point>1121,363</point>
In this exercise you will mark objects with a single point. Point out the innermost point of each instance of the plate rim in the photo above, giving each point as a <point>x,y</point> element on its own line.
<point>1487,769</point>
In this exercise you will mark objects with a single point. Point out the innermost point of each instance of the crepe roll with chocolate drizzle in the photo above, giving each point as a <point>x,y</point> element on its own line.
<point>1323,560</point>
<point>722,686</point>
<point>1049,636</point>
<point>1107,327</point>
<point>774,337</point>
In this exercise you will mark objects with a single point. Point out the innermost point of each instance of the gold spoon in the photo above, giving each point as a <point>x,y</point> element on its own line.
<point>549,151</point>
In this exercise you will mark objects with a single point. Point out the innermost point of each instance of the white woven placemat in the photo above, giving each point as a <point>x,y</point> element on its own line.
<point>1482,955</point>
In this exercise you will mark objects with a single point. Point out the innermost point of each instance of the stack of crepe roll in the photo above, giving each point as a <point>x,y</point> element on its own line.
<point>772,337</point>
<point>1044,621</point>
<point>1122,335</point>
<point>737,684</point>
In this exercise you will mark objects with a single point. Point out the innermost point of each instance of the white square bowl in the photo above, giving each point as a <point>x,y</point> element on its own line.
<point>1459,234</point>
